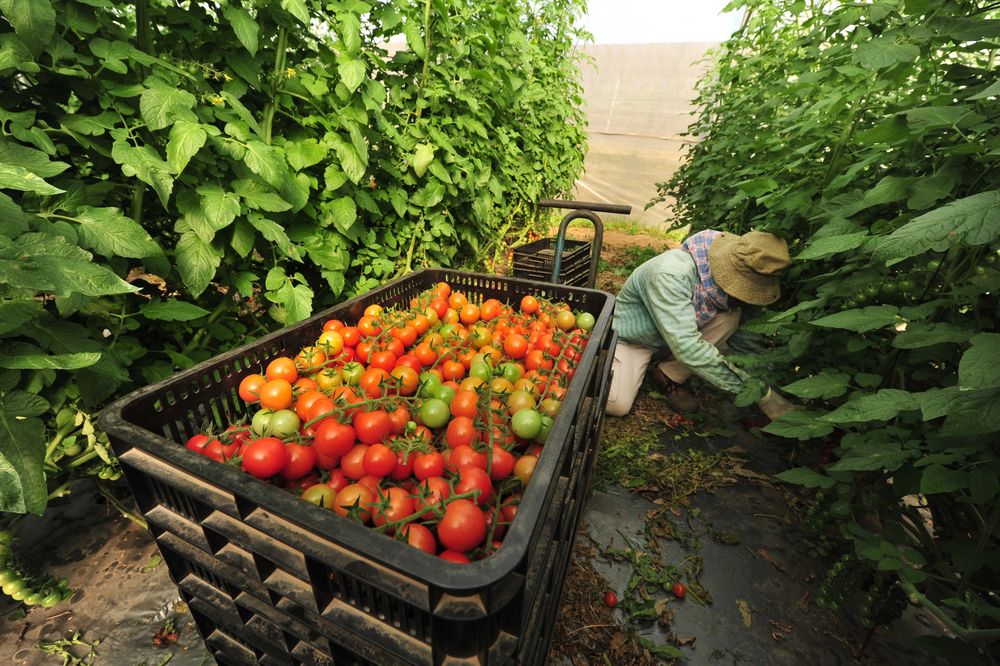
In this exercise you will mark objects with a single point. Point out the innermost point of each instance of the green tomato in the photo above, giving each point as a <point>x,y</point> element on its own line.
<point>105,473</point>
<point>860,299</point>
<point>906,285</point>
<point>6,537</point>
<point>320,495</point>
<point>284,423</point>
<point>51,600</point>
<point>74,450</point>
<point>15,584</point>
<point>351,373</point>
<point>448,331</point>
<point>933,265</point>
<point>526,423</point>
<point>34,599</point>
<point>66,595</point>
<point>890,288</point>
<point>851,304</point>
<point>261,421</point>
<point>990,258</point>
<point>872,291</point>
<point>482,371</point>
<point>429,383</point>
<point>62,583</point>
<point>585,321</point>
<point>7,575</point>
<point>20,595</point>
<point>483,358</point>
<point>821,602</point>
<point>980,270</point>
<point>445,393</point>
<point>510,372</point>
<point>543,434</point>
<point>435,413</point>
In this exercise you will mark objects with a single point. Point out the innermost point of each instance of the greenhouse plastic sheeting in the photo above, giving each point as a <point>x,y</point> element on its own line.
<point>638,103</point>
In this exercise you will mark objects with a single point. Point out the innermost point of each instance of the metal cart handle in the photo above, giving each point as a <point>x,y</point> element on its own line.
<point>588,211</point>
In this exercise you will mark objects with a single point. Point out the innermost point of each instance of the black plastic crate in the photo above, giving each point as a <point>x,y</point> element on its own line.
<point>536,260</point>
<point>275,579</point>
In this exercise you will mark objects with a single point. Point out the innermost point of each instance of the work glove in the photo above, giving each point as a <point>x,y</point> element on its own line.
<point>773,405</point>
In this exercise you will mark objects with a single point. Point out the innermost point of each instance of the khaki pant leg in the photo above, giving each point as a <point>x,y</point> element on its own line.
<point>717,331</point>
<point>630,365</point>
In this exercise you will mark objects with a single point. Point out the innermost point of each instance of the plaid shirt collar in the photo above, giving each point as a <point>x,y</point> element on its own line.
<point>708,298</point>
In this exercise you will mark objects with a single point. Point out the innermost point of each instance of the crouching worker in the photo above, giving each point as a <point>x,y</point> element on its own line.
<point>685,304</point>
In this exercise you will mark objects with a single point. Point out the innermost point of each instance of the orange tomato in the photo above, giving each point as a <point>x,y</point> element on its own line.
<point>469,314</point>
<point>282,368</point>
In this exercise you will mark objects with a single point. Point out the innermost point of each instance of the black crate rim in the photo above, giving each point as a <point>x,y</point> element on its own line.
<point>424,567</point>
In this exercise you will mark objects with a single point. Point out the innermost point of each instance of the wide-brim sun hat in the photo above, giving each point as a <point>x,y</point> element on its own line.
<point>749,267</point>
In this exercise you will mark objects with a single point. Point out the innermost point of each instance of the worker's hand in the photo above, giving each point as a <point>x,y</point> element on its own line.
<point>773,405</point>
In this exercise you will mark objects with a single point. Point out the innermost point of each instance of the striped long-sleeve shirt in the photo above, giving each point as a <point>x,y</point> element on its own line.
<point>655,309</point>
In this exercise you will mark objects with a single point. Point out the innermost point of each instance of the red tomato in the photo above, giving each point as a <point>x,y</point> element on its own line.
<point>680,591</point>
<point>300,460</point>
<point>379,460</point>
<point>460,431</point>
<point>198,443</point>
<point>371,380</point>
<point>385,360</point>
<point>353,462</point>
<point>357,497</point>
<point>326,463</point>
<point>216,450</point>
<point>400,505</point>
<point>410,362</point>
<point>373,482</point>
<point>435,489</point>
<point>440,306</point>
<point>515,346</point>
<point>404,465</point>
<point>399,417</point>
<point>465,456</point>
<point>333,439</point>
<point>265,457</point>
<point>305,401</point>
<point>333,325</point>
<point>250,388</point>
<point>427,465</point>
<point>610,600</point>
<point>351,336</point>
<point>501,464</point>
<point>463,526</point>
<point>338,481</point>
<point>452,556</point>
<point>473,478</point>
<point>417,536</point>
<point>372,427</point>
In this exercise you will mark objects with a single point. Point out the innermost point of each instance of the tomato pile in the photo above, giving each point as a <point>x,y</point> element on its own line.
<point>425,423</point>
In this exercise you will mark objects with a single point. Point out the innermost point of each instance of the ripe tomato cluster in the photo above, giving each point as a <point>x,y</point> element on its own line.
<point>424,422</point>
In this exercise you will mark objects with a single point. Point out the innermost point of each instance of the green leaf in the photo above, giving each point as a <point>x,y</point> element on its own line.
<point>147,165</point>
<point>350,32</point>
<point>244,281</point>
<point>23,356</point>
<point>973,413</point>
<point>219,207</point>
<point>112,234</point>
<point>871,317</point>
<point>22,444</point>
<point>826,247</point>
<point>186,139</point>
<point>883,52</point>
<point>344,212</point>
<point>757,187</point>
<point>305,153</point>
<point>274,233</point>
<point>927,118</point>
<point>800,424</point>
<point>350,161</point>
<point>414,39</point>
<point>935,402</point>
<point>924,335</point>
<point>422,159</point>
<point>928,191</point>
<point>18,178</point>
<point>196,262</point>
<point>866,380</point>
<point>11,490</point>
<point>358,141</point>
<point>979,368</point>
<point>888,131</point>
<point>243,112</point>
<point>888,190</point>
<point>45,262</point>
<point>333,177</point>
<point>825,385</point>
<point>983,485</point>
<point>162,103</point>
<point>243,237</point>
<point>297,8</point>
<point>870,456</point>
<point>397,196</point>
<point>15,313</point>
<point>264,161</point>
<point>966,29</point>
<point>257,195</point>
<point>352,73</point>
<point>244,26</point>
<point>172,310</point>
<point>940,479</point>
<point>992,91</point>
<point>804,476</point>
<point>974,220</point>
<point>34,22</point>
<point>881,406</point>
<point>33,160</point>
